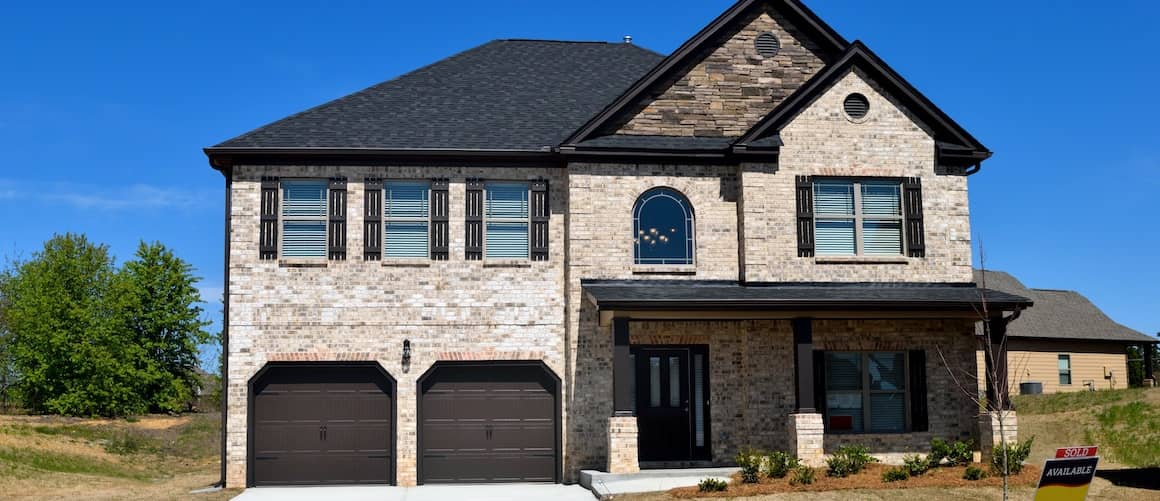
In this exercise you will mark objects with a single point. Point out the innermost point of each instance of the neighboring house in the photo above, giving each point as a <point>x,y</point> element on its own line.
<point>537,257</point>
<point>1065,342</point>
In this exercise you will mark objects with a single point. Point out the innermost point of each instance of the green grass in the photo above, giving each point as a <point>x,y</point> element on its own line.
<point>1080,400</point>
<point>67,463</point>
<point>1130,433</point>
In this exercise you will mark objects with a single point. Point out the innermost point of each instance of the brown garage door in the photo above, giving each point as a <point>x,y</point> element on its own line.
<point>322,425</point>
<point>488,423</point>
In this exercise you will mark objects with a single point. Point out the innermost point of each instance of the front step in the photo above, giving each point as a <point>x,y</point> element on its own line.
<point>608,484</point>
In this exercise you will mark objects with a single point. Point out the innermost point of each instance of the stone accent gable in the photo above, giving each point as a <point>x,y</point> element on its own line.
<point>733,87</point>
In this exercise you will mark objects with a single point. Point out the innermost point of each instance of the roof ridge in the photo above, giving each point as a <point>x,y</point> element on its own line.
<point>554,40</point>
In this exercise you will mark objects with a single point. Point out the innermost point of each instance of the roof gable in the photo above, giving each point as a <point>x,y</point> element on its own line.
<point>956,146</point>
<point>796,24</point>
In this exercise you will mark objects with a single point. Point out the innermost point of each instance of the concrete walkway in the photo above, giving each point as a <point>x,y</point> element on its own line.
<point>504,492</point>
<point>610,484</point>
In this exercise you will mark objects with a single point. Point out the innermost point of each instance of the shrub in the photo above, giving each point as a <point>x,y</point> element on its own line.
<point>1016,454</point>
<point>749,461</point>
<point>915,464</point>
<point>849,460</point>
<point>974,473</point>
<point>895,474</point>
<point>802,475</point>
<point>712,485</point>
<point>956,454</point>
<point>779,464</point>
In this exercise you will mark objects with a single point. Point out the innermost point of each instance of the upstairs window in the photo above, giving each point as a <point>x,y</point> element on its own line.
<point>1065,369</point>
<point>506,220</point>
<point>662,228</point>
<point>304,218</point>
<point>858,218</point>
<point>406,218</point>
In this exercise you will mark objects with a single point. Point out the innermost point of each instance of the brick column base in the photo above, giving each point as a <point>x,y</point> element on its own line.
<point>622,445</point>
<point>990,435</point>
<point>806,433</point>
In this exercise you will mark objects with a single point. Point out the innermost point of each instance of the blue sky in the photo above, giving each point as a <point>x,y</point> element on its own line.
<point>104,111</point>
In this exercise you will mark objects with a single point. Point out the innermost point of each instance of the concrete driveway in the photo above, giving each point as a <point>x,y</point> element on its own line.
<point>504,492</point>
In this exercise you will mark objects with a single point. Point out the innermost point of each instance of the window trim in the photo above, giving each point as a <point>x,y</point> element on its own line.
<point>1061,357</point>
<point>486,218</point>
<point>866,392</point>
<point>386,220</point>
<point>690,228</point>
<point>324,219</point>
<point>859,218</point>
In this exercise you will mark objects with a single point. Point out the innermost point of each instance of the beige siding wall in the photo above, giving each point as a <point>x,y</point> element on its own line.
<point>363,310</point>
<point>1037,360</point>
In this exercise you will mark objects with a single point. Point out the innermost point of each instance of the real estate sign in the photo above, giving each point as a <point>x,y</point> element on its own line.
<point>1068,476</point>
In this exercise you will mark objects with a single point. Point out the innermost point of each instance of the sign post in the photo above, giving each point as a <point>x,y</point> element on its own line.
<point>1068,476</point>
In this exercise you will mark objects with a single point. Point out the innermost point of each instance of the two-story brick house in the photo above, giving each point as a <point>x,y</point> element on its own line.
<point>537,257</point>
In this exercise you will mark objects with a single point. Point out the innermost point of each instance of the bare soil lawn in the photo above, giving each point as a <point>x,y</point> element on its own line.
<point>153,457</point>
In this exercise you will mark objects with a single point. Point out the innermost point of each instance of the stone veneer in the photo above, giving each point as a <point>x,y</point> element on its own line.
<point>622,449</point>
<point>733,87</point>
<point>992,434</point>
<point>363,310</point>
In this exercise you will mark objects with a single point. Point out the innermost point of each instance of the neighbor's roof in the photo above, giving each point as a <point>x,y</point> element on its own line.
<point>516,95</point>
<point>729,295</point>
<point>1059,314</point>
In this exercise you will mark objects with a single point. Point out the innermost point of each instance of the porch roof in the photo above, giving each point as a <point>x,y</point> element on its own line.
<point>689,295</point>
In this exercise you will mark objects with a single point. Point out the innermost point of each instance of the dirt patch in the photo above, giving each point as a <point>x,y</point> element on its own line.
<point>870,478</point>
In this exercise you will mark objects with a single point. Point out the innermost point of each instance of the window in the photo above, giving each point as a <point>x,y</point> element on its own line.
<point>304,218</point>
<point>662,228</point>
<point>506,219</point>
<point>406,214</point>
<point>858,218</point>
<point>1064,369</point>
<point>866,392</point>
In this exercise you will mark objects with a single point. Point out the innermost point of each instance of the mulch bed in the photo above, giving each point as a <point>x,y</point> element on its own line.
<point>870,478</point>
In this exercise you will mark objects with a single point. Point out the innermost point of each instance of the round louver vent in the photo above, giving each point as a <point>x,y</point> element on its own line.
<point>767,45</point>
<point>856,106</point>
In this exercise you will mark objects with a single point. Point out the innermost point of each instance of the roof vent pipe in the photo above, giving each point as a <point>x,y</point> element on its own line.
<point>628,39</point>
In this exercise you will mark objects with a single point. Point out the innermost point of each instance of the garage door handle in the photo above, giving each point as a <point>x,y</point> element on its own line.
<point>322,432</point>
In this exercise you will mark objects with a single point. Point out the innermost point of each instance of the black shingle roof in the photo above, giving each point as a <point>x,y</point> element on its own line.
<point>690,295</point>
<point>522,95</point>
<point>1059,314</point>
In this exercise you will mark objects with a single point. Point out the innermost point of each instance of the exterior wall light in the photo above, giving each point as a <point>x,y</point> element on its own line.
<point>406,351</point>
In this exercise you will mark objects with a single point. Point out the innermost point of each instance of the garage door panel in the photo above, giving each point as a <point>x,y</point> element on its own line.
<point>322,425</point>
<point>488,424</point>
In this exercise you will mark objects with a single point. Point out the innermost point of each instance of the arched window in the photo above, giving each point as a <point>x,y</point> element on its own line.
<point>662,228</point>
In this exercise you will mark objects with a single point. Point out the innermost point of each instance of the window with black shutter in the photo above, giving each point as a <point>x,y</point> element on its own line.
<point>336,235</point>
<point>805,216</point>
<point>373,219</point>
<point>540,212</point>
<point>439,221</point>
<point>473,217</point>
<point>268,231</point>
<point>912,195</point>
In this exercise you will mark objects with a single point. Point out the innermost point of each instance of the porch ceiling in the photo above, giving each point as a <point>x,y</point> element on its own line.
<point>728,296</point>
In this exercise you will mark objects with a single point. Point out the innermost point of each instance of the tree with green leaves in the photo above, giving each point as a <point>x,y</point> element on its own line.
<point>157,304</point>
<point>87,339</point>
<point>65,345</point>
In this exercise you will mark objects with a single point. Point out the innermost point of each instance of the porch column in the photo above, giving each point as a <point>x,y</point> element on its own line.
<point>806,427</point>
<point>622,430</point>
<point>1148,379</point>
<point>999,424</point>
<point>996,365</point>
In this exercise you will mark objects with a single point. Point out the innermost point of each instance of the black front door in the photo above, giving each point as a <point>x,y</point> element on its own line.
<point>671,402</point>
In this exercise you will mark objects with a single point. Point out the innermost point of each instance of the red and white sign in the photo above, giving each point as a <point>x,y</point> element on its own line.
<point>1076,452</point>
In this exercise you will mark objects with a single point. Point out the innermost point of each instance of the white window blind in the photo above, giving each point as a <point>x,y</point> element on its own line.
<point>857,218</point>
<point>406,210</point>
<point>304,222</point>
<point>506,220</point>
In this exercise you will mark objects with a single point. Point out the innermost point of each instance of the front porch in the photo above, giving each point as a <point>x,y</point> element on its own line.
<point>703,371</point>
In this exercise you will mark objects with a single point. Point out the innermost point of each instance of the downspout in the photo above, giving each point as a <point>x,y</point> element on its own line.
<point>228,171</point>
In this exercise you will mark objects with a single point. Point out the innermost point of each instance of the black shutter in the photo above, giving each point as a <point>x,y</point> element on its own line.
<point>538,237</point>
<point>373,219</point>
<point>268,231</point>
<point>918,419</point>
<point>473,238</point>
<point>805,216</point>
<point>337,212</point>
<point>439,233</point>
<point>912,201</point>
<point>820,382</point>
